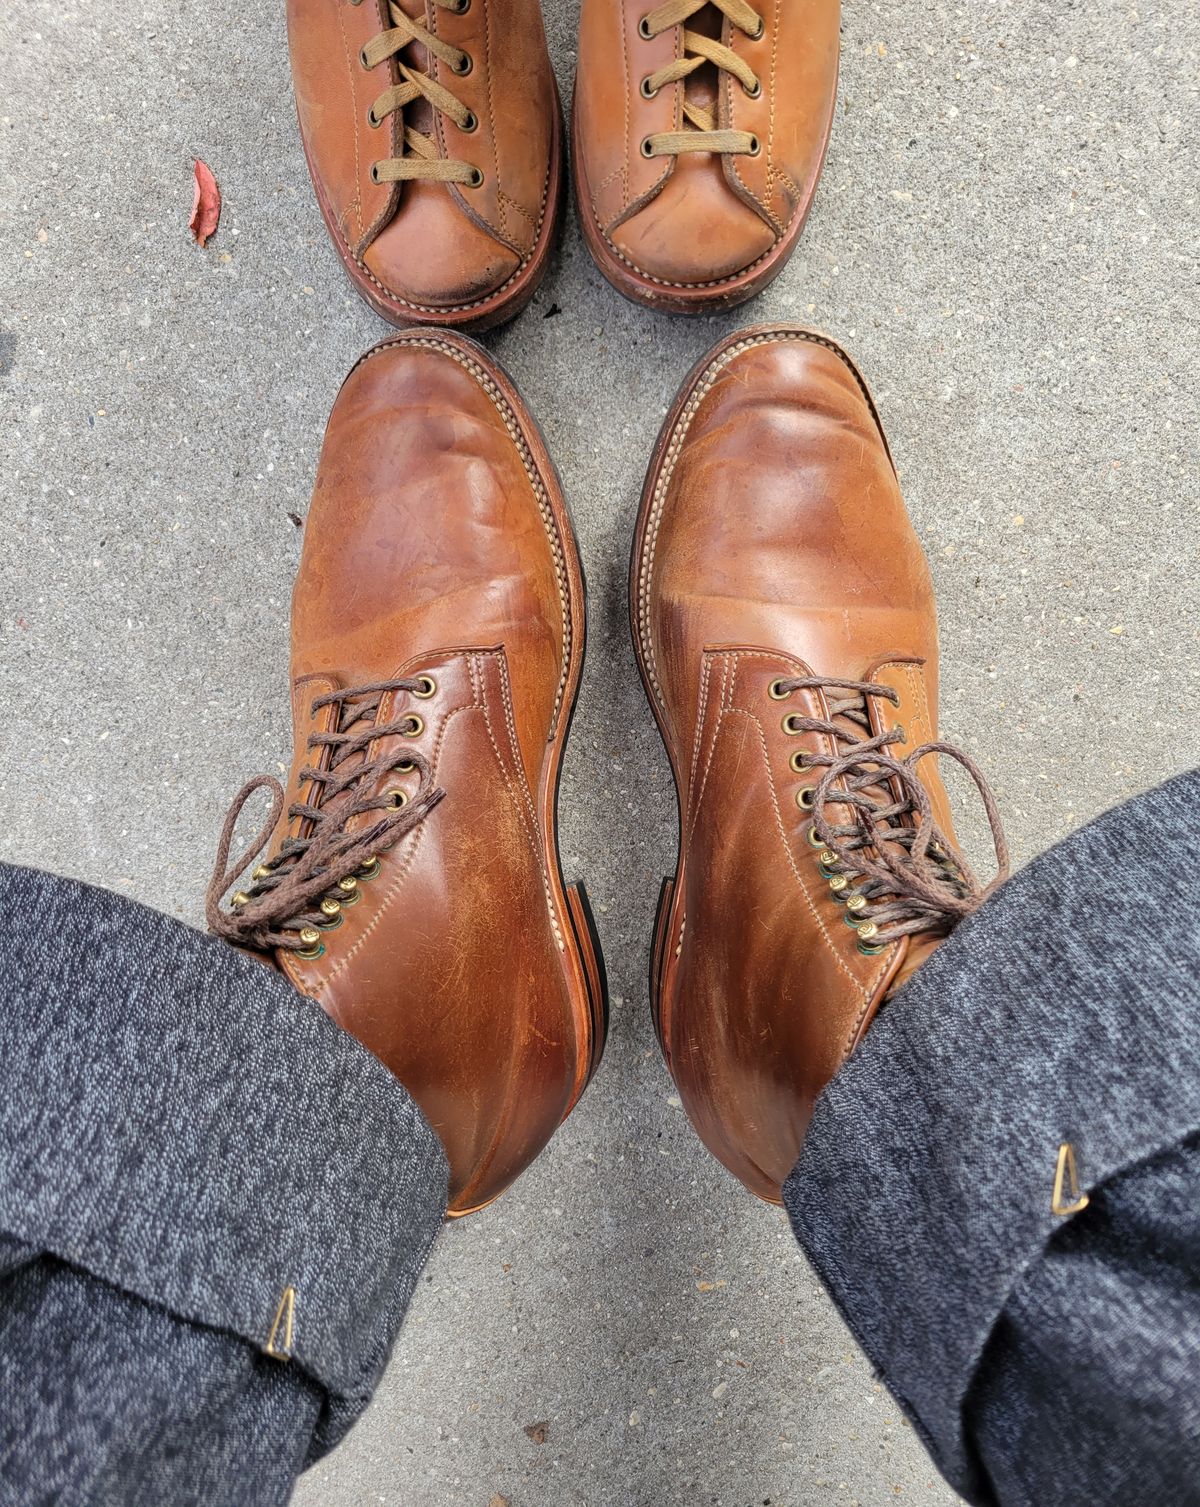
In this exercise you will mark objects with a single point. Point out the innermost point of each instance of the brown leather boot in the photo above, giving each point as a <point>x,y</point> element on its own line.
<point>434,137</point>
<point>699,131</point>
<point>784,622</point>
<point>413,887</point>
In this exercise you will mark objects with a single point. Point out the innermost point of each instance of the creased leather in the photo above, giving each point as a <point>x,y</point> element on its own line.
<point>773,544</point>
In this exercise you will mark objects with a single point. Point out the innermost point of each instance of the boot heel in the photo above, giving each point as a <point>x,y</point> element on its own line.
<point>587,938</point>
<point>658,959</point>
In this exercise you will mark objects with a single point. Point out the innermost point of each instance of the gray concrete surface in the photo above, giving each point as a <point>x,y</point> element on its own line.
<point>1005,237</point>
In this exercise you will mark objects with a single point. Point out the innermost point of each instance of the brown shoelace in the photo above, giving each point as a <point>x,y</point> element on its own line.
<point>898,879</point>
<point>703,135</point>
<point>421,159</point>
<point>297,896</point>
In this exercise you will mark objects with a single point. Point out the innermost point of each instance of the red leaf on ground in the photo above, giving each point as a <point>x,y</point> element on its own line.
<point>206,206</point>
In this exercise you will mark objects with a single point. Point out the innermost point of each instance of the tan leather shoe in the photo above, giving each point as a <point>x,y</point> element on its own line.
<point>700,127</point>
<point>414,888</point>
<point>434,137</point>
<point>784,622</point>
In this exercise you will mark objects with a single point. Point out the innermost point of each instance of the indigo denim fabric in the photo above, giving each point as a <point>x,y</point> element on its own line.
<point>183,1138</point>
<point>1046,1361</point>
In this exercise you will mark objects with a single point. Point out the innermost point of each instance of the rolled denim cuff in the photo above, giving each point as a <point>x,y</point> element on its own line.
<point>178,1121</point>
<point>1061,1015</point>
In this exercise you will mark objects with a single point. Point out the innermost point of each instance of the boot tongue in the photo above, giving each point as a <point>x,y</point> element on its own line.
<point>419,115</point>
<point>702,88</point>
<point>346,721</point>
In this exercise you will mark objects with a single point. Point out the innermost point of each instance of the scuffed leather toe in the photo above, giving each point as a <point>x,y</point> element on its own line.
<point>433,256</point>
<point>726,237</point>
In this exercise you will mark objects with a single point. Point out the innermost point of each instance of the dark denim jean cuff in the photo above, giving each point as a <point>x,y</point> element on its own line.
<point>1063,1012</point>
<point>178,1121</point>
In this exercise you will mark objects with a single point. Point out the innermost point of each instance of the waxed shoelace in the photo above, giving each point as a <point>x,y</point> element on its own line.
<point>701,133</point>
<point>420,160</point>
<point>286,896</point>
<point>911,878</point>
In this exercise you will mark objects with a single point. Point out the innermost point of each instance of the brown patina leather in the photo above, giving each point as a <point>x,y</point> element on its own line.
<point>773,546</point>
<point>710,229</point>
<point>452,254</point>
<point>438,554</point>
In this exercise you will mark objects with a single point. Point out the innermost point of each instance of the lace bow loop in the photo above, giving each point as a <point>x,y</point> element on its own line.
<point>909,875</point>
<point>304,885</point>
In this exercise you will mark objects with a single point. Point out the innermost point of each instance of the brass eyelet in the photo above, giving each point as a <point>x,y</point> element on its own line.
<point>866,931</point>
<point>813,840</point>
<point>461,7</point>
<point>644,29</point>
<point>313,946</point>
<point>647,147</point>
<point>404,766</point>
<point>373,120</point>
<point>375,172</point>
<point>476,179</point>
<point>800,760</point>
<point>471,123</point>
<point>398,798</point>
<point>804,797</point>
<point>775,692</point>
<point>645,90</point>
<point>362,58</point>
<point>756,36</point>
<point>755,92</point>
<point>428,687</point>
<point>900,735</point>
<point>414,726</point>
<point>463,66</point>
<point>789,724</point>
<point>348,891</point>
<point>755,146</point>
